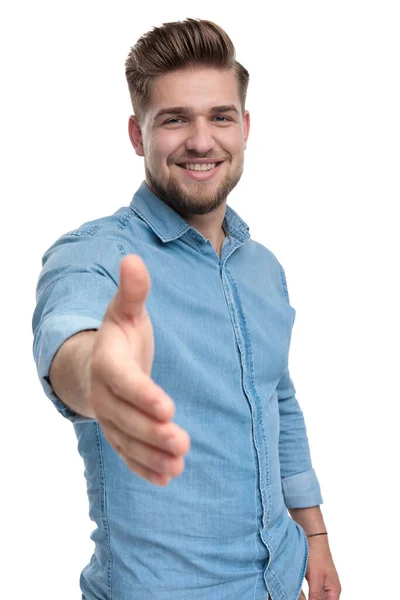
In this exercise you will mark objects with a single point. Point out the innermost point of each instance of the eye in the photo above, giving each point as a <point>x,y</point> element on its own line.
<point>222,117</point>
<point>171,120</point>
<point>175,120</point>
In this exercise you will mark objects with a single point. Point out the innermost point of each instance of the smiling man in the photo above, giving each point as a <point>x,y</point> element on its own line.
<point>194,154</point>
<point>167,308</point>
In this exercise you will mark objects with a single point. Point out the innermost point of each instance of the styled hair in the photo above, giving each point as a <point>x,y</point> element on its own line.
<point>179,45</point>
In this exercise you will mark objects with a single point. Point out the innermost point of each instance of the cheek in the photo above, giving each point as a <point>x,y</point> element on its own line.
<point>239,150</point>
<point>168,147</point>
<point>233,144</point>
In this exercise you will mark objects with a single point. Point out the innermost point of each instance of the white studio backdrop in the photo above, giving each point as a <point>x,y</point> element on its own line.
<point>320,189</point>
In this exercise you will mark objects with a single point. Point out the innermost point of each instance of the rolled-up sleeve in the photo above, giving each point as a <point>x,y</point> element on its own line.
<point>300,485</point>
<point>78,280</point>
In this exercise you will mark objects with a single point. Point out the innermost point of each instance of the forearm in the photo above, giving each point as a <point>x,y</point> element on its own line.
<point>300,485</point>
<point>70,372</point>
<point>310,519</point>
<point>294,451</point>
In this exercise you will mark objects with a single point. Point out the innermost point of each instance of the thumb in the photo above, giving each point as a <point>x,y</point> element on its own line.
<point>134,286</point>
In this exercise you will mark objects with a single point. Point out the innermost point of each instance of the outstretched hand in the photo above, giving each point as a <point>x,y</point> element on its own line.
<point>134,412</point>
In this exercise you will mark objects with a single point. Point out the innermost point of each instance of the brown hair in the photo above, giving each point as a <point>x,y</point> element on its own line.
<point>177,45</point>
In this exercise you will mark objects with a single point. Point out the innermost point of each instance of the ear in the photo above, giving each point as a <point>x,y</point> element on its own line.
<point>135,135</point>
<point>246,127</point>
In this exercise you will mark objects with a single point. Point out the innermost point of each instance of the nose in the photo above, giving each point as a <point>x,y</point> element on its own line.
<point>200,137</point>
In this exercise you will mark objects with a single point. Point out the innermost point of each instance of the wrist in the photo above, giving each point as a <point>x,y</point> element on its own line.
<point>310,519</point>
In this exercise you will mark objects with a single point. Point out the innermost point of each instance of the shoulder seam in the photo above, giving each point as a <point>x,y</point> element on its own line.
<point>81,231</point>
<point>284,282</point>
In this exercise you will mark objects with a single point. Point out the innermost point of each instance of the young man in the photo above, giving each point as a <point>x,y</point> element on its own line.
<point>167,309</point>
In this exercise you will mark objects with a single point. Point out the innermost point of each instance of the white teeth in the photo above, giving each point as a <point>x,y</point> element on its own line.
<point>197,167</point>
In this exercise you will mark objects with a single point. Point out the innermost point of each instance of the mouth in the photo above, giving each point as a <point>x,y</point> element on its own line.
<point>200,172</point>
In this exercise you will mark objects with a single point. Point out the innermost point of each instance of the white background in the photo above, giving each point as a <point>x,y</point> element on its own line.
<point>320,189</point>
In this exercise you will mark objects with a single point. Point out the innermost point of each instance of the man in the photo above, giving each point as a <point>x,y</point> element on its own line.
<point>168,309</point>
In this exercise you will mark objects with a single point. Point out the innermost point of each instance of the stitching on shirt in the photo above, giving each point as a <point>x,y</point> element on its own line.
<point>232,217</point>
<point>125,218</point>
<point>235,230</point>
<point>254,391</point>
<point>121,249</point>
<point>303,572</point>
<point>278,584</point>
<point>284,283</point>
<point>82,231</point>
<point>257,581</point>
<point>255,540</point>
<point>104,509</point>
<point>154,228</point>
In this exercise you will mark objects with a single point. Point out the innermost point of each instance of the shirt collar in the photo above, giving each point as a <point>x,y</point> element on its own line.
<point>169,225</point>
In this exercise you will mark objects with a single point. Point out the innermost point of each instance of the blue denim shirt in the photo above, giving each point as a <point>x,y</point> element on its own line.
<point>222,329</point>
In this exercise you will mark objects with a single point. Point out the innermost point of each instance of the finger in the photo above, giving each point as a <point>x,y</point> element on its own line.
<point>147,474</point>
<point>138,389</point>
<point>153,459</point>
<point>136,424</point>
<point>155,478</point>
<point>315,592</point>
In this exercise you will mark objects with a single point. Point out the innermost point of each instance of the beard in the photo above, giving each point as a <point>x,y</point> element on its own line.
<point>187,204</point>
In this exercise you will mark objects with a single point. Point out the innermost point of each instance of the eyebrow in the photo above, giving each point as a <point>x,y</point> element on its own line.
<point>187,110</point>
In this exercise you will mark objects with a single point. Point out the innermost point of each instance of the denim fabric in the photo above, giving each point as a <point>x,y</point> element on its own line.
<point>222,328</point>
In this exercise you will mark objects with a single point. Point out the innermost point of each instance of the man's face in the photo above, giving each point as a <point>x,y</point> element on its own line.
<point>193,131</point>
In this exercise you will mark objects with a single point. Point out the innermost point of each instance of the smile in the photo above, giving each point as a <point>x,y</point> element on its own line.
<point>200,172</point>
<point>199,167</point>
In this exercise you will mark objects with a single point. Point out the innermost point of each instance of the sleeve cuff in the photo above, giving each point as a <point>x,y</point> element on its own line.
<point>302,490</point>
<point>51,335</point>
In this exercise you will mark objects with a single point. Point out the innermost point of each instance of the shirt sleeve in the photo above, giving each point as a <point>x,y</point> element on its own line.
<point>300,486</point>
<point>77,282</point>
